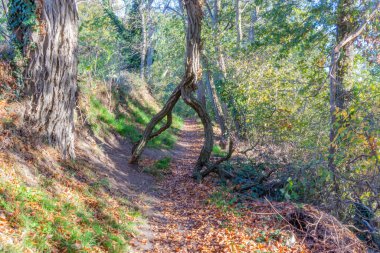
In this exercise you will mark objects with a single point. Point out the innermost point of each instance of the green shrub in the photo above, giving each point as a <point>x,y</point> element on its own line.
<point>218,151</point>
<point>160,168</point>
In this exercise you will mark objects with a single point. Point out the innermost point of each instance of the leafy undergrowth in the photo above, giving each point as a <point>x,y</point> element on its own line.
<point>47,205</point>
<point>116,109</point>
<point>209,218</point>
<point>103,120</point>
<point>68,209</point>
<point>218,151</point>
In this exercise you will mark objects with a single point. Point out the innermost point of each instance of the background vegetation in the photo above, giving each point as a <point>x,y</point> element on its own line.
<point>268,64</point>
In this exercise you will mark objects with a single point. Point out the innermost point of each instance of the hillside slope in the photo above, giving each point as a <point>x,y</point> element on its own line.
<point>100,203</point>
<point>90,204</point>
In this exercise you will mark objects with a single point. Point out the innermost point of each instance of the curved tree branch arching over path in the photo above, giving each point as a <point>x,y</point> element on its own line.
<point>185,90</point>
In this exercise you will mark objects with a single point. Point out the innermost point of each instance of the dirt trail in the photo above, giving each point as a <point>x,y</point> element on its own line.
<point>181,218</point>
<point>167,204</point>
<point>169,215</point>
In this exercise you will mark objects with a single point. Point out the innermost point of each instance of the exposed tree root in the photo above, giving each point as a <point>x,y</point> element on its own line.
<point>215,167</point>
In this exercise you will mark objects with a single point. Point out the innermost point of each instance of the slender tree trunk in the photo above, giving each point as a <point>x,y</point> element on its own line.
<point>185,90</point>
<point>252,34</point>
<point>206,76</point>
<point>234,119</point>
<point>150,51</point>
<point>166,111</point>
<point>50,76</point>
<point>5,6</point>
<point>149,62</point>
<point>217,106</point>
<point>193,74</point>
<point>222,67</point>
<point>221,116</point>
<point>239,32</point>
<point>144,42</point>
<point>216,34</point>
<point>150,42</point>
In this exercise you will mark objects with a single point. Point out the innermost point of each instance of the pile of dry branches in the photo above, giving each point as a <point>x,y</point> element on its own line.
<point>323,232</point>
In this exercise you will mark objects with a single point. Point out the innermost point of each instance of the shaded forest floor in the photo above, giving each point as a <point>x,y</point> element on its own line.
<point>184,216</point>
<point>103,191</point>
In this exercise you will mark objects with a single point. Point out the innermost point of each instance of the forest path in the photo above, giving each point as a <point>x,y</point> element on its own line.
<point>181,217</point>
<point>173,218</point>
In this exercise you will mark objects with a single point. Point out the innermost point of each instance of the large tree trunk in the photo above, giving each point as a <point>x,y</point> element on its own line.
<point>50,76</point>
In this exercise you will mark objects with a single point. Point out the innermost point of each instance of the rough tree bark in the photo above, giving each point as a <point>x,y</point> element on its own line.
<point>166,111</point>
<point>187,85</point>
<point>50,74</point>
<point>185,90</point>
<point>193,73</point>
